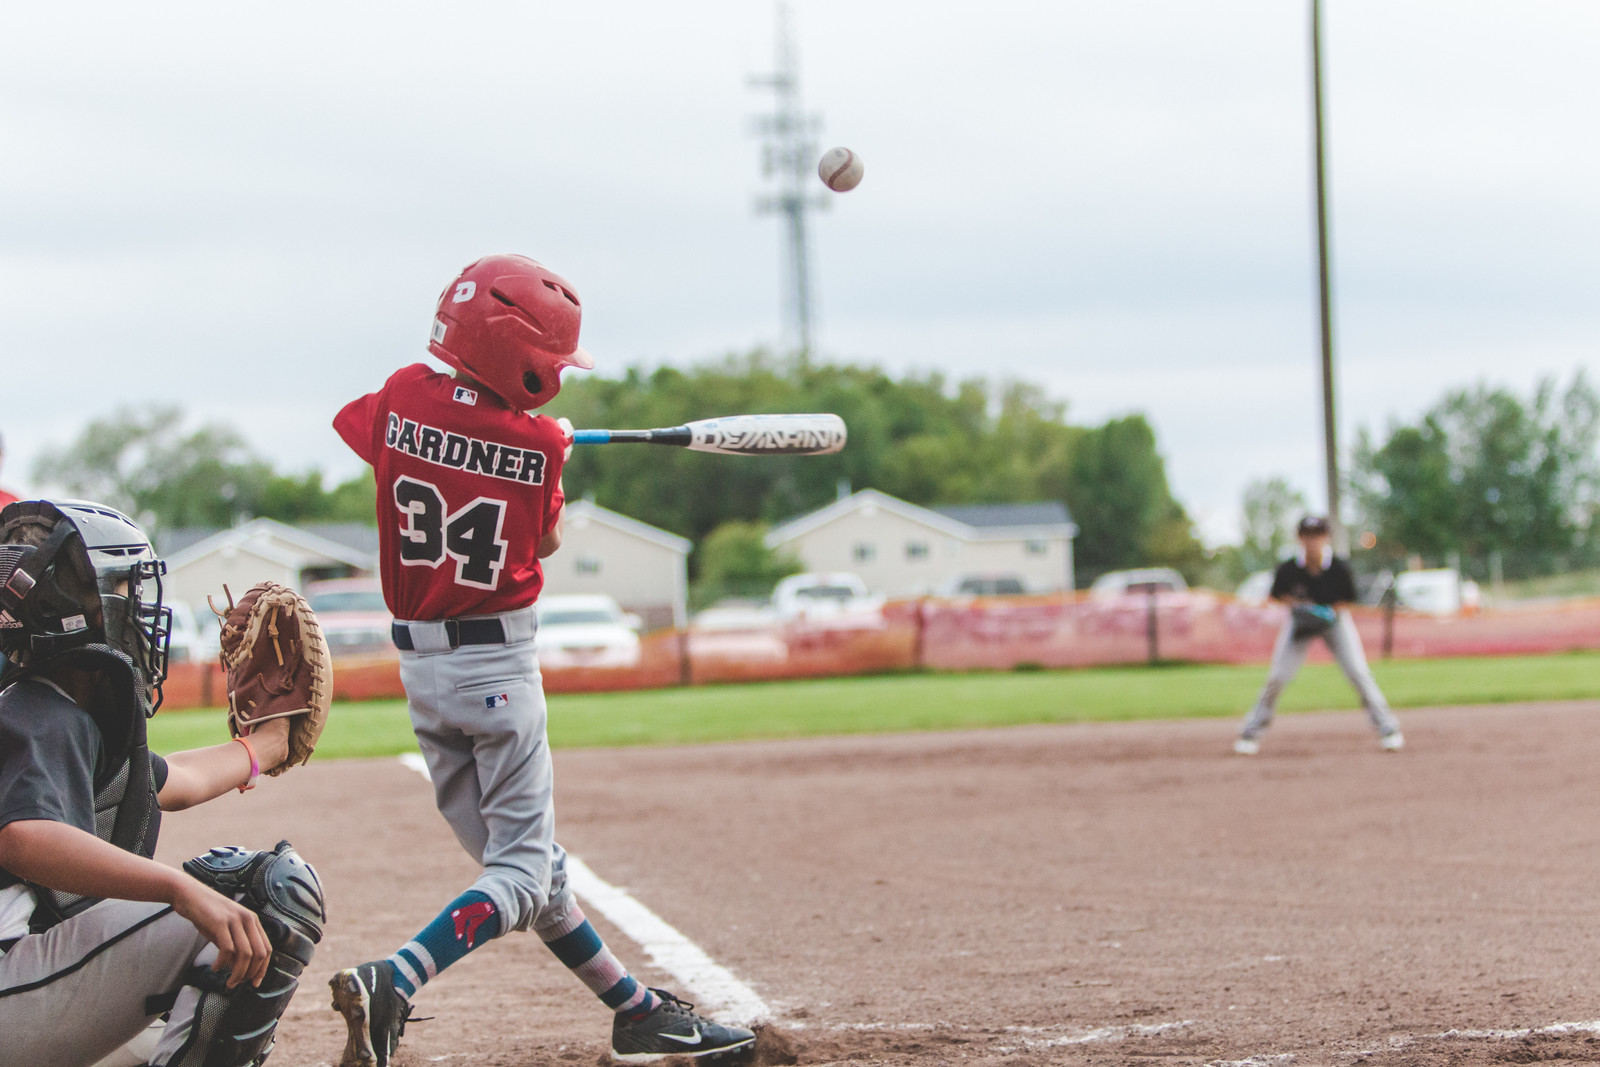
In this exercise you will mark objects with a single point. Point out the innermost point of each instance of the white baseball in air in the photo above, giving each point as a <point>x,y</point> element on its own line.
<point>840,169</point>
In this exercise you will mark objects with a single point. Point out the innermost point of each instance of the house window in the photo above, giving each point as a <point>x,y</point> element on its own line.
<point>916,550</point>
<point>865,552</point>
<point>1036,547</point>
<point>588,565</point>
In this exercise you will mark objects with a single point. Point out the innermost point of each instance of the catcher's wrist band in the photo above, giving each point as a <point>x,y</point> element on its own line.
<point>255,764</point>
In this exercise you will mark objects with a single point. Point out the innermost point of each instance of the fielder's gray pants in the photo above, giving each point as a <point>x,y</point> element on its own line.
<point>1290,652</point>
<point>479,715</point>
<point>76,993</point>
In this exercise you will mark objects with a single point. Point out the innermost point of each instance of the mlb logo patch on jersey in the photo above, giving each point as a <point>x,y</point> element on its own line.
<point>499,700</point>
<point>465,395</point>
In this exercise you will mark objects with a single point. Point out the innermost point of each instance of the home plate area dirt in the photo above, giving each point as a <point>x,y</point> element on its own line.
<point>1040,895</point>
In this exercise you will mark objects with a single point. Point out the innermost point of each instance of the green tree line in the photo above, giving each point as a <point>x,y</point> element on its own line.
<point>1497,484</point>
<point>144,462</point>
<point>920,437</point>
<point>1487,475</point>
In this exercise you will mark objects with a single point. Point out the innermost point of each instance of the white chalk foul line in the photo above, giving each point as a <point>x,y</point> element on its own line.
<point>712,986</point>
<point>1591,1027</point>
<point>1095,1035</point>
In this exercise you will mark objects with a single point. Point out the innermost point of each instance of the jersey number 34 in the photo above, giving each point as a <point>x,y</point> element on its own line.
<point>470,535</point>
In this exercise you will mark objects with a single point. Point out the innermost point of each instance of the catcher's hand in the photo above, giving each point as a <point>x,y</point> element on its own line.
<point>1312,620</point>
<point>278,667</point>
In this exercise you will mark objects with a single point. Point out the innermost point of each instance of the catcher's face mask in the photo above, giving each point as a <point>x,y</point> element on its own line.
<point>94,578</point>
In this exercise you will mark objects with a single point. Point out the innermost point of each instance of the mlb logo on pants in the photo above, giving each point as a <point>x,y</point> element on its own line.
<point>499,700</point>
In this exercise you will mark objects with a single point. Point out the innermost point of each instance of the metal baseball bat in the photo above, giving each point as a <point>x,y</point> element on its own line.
<point>737,435</point>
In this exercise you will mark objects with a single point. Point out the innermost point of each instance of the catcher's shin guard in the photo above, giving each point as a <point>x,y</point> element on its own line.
<point>235,1027</point>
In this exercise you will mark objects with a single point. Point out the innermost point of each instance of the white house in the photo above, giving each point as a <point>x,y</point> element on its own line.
<point>645,568</point>
<point>900,549</point>
<point>261,550</point>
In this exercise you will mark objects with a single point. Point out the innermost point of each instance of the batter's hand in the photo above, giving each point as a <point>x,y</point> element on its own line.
<point>566,432</point>
<point>242,946</point>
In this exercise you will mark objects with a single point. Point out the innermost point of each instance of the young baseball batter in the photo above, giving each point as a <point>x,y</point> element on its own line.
<point>469,502</point>
<point>96,938</point>
<point>1318,587</point>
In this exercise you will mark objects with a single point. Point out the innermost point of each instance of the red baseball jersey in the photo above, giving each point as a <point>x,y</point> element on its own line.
<point>467,487</point>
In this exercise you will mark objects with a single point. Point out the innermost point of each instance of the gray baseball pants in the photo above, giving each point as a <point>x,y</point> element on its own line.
<point>1290,652</point>
<point>479,716</point>
<point>76,993</point>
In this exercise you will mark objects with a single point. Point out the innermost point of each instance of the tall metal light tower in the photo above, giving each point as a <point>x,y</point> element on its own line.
<point>788,153</point>
<point>1330,428</point>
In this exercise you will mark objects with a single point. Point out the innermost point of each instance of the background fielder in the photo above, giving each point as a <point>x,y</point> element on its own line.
<point>1318,587</point>
<point>469,501</point>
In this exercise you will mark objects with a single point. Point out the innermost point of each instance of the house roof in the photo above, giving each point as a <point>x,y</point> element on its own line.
<point>985,516</point>
<point>592,512</point>
<point>981,522</point>
<point>361,536</point>
<point>270,539</point>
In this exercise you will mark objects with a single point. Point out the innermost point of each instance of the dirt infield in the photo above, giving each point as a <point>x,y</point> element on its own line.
<point>1038,895</point>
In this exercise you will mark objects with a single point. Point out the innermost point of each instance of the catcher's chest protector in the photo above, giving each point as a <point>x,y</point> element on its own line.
<point>126,813</point>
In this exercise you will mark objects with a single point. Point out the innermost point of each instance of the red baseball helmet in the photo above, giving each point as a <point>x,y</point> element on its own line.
<point>512,325</point>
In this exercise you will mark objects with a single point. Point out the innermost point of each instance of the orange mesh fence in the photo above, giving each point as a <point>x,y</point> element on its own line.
<point>989,634</point>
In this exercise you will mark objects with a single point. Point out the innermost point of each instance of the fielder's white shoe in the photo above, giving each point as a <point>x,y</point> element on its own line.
<point>1392,742</point>
<point>1246,746</point>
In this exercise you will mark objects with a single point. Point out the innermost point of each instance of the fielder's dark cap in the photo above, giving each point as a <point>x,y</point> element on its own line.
<point>1312,525</point>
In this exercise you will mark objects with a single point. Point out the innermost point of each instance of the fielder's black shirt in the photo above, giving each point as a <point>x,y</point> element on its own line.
<point>1334,585</point>
<point>50,751</point>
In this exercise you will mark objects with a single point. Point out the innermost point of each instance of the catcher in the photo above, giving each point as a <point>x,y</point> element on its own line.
<point>1317,586</point>
<point>97,940</point>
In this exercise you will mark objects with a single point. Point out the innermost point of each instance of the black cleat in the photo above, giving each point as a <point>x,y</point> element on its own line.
<point>374,1011</point>
<point>673,1029</point>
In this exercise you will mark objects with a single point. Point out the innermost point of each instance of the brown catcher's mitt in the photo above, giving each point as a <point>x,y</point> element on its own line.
<point>278,667</point>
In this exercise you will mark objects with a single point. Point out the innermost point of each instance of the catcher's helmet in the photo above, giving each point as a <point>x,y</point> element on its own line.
<point>512,325</point>
<point>75,574</point>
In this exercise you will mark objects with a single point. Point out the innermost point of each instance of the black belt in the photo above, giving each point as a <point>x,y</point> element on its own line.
<point>8,944</point>
<point>458,631</point>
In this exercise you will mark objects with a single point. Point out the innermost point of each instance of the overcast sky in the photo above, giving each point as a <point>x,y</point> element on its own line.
<point>251,209</point>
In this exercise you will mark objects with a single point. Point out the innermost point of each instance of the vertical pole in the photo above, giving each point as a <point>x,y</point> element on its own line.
<point>1330,433</point>
<point>800,266</point>
<point>789,154</point>
<point>1152,624</point>
<point>1390,601</point>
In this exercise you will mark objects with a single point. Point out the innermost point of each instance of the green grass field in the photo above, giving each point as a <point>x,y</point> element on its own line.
<point>888,704</point>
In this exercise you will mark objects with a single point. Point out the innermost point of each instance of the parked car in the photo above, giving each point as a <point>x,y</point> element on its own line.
<point>1256,589</point>
<point>1121,600</point>
<point>1141,581</point>
<point>1441,591</point>
<point>831,601</point>
<point>355,620</point>
<point>192,640</point>
<point>985,585</point>
<point>744,631</point>
<point>586,631</point>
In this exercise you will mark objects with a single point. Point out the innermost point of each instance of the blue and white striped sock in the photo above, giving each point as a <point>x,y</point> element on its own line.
<point>576,943</point>
<point>466,922</point>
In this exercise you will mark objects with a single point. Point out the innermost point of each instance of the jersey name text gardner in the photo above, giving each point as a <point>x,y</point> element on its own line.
<point>460,452</point>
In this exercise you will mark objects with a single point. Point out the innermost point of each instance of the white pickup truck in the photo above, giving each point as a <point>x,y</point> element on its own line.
<point>832,601</point>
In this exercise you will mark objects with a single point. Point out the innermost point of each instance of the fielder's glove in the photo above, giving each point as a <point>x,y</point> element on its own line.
<point>278,667</point>
<point>1312,620</point>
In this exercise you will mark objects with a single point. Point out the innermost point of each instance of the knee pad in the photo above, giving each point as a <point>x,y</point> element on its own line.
<point>235,1027</point>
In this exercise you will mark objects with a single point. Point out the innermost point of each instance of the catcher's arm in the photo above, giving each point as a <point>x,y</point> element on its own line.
<point>71,860</point>
<point>197,775</point>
